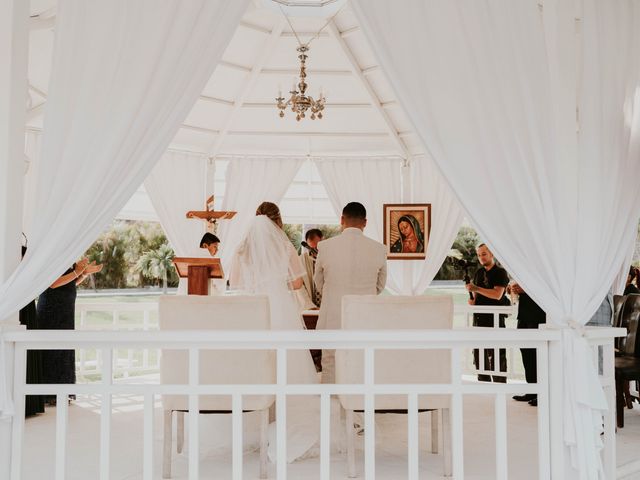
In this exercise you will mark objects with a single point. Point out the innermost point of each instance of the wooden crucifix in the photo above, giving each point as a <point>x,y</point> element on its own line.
<point>210,215</point>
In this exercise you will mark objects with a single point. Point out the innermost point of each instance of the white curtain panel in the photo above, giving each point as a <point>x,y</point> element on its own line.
<point>428,186</point>
<point>249,181</point>
<point>124,75</point>
<point>492,93</point>
<point>32,148</point>
<point>176,185</point>
<point>370,181</point>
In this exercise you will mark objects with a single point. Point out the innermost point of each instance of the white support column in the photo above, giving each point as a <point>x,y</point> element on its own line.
<point>14,52</point>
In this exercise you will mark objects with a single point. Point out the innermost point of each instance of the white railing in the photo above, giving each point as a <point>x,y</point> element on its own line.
<point>546,342</point>
<point>143,316</point>
<point>119,316</point>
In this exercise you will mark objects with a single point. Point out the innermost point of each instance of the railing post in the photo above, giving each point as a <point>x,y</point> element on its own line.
<point>194,411</point>
<point>608,379</point>
<point>369,411</point>
<point>105,414</point>
<point>281,414</point>
<point>325,432</point>
<point>542,378</point>
<point>147,462</point>
<point>145,327</point>
<point>17,433</point>
<point>556,398</point>
<point>236,437</point>
<point>457,431</point>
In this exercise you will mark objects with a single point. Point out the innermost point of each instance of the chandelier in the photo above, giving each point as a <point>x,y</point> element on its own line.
<point>299,101</point>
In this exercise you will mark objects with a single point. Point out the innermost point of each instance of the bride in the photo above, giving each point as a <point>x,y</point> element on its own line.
<point>267,263</point>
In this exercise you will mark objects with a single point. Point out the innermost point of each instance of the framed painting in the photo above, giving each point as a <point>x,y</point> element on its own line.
<point>406,230</point>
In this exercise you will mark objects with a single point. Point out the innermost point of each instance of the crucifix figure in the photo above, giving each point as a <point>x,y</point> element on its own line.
<point>210,215</point>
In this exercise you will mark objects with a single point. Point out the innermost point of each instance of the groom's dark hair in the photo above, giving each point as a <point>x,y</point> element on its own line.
<point>354,211</point>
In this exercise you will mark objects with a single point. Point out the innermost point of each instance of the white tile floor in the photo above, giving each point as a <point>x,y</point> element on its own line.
<point>126,445</point>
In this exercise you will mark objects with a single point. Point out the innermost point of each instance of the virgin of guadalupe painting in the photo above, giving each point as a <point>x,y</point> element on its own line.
<point>406,230</point>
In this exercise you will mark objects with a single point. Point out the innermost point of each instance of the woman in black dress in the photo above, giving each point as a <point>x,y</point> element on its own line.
<point>28,317</point>
<point>630,288</point>
<point>56,311</point>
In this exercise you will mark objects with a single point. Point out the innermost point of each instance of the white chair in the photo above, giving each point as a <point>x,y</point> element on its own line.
<point>216,366</point>
<point>372,312</point>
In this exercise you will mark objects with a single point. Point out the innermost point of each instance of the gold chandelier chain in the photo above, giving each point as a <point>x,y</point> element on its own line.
<point>317,35</point>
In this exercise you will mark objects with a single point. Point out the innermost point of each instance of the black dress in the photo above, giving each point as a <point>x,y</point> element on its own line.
<point>56,311</point>
<point>33,403</point>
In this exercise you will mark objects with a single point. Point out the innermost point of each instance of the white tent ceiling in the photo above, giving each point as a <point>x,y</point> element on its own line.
<point>236,112</point>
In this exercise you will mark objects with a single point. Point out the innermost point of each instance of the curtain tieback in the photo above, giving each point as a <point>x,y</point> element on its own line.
<point>571,324</point>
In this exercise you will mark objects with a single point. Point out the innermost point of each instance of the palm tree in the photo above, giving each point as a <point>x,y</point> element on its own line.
<point>157,263</point>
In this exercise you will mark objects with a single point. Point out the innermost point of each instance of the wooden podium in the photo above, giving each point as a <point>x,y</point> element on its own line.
<point>198,271</point>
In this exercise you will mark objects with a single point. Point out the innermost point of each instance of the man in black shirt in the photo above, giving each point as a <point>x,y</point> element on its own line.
<point>530,315</point>
<point>488,288</point>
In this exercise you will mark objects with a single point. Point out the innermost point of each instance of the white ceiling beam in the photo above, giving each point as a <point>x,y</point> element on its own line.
<point>35,111</point>
<point>370,70</point>
<point>303,35</point>
<point>258,65</point>
<point>199,129</point>
<point>296,71</point>
<point>219,101</point>
<point>296,133</point>
<point>37,91</point>
<point>234,66</point>
<point>373,97</point>
<point>43,20</point>
<point>349,31</point>
<point>327,105</point>
<point>254,27</point>
<point>228,103</point>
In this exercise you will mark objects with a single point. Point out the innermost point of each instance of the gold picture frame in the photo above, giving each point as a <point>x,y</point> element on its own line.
<point>407,227</point>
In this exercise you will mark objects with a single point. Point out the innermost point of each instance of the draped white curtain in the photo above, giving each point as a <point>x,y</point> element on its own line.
<point>249,181</point>
<point>176,185</point>
<point>493,92</point>
<point>376,181</point>
<point>124,75</point>
<point>370,181</point>
<point>428,186</point>
<point>32,148</point>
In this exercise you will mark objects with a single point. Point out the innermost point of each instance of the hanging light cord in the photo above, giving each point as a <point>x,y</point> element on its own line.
<point>317,34</point>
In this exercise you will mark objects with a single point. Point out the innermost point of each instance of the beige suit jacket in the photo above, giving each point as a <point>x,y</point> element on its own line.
<point>349,264</point>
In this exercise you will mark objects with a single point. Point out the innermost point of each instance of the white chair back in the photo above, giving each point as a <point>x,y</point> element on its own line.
<point>182,312</point>
<point>373,312</point>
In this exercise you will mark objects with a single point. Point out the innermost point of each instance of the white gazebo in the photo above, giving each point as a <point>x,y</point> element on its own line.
<point>523,117</point>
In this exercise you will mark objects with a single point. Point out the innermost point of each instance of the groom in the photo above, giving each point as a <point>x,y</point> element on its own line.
<point>349,264</point>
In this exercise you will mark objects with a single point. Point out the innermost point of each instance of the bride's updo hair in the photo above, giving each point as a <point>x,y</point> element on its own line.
<point>272,211</point>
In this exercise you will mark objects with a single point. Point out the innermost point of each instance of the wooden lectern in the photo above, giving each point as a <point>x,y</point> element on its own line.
<point>198,271</point>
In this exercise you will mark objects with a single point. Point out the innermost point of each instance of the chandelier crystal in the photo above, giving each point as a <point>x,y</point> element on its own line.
<point>299,101</point>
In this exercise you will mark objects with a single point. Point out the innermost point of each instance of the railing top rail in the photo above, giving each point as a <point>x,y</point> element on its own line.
<point>153,305</point>
<point>270,338</point>
<point>598,333</point>
<point>506,309</point>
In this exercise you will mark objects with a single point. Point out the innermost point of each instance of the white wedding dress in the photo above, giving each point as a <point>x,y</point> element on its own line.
<point>266,263</point>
